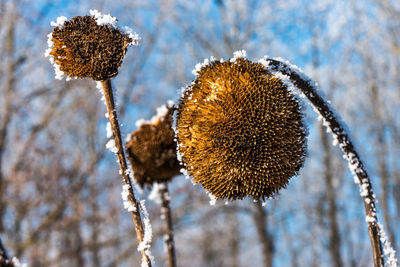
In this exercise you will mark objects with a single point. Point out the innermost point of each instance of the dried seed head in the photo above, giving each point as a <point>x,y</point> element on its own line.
<point>88,46</point>
<point>152,150</point>
<point>240,131</point>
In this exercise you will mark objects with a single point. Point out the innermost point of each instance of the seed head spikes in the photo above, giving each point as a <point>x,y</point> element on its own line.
<point>239,130</point>
<point>151,149</point>
<point>88,46</point>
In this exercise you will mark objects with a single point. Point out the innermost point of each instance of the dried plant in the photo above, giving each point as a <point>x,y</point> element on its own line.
<point>93,47</point>
<point>82,48</point>
<point>151,151</point>
<point>240,133</point>
<point>240,130</point>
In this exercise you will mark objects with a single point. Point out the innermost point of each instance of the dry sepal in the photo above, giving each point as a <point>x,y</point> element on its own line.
<point>240,131</point>
<point>151,150</point>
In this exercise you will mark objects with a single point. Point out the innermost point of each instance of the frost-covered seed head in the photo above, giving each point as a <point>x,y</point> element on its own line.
<point>240,130</point>
<point>152,151</point>
<point>85,48</point>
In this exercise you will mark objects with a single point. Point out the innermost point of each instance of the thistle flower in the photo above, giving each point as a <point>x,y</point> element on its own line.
<point>88,46</point>
<point>239,130</point>
<point>152,149</point>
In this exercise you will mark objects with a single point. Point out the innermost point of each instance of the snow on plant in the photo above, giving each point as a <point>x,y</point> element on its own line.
<point>72,53</point>
<point>75,53</point>
<point>229,116</point>
<point>308,88</point>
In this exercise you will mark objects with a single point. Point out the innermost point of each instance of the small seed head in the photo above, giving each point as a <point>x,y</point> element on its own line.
<point>152,151</point>
<point>82,48</point>
<point>240,130</point>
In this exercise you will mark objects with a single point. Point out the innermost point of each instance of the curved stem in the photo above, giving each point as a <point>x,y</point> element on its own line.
<point>112,116</point>
<point>309,89</point>
<point>166,215</point>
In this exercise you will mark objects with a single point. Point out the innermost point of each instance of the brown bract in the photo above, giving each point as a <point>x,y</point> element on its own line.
<point>84,49</point>
<point>152,151</point>
<point>240,131</point>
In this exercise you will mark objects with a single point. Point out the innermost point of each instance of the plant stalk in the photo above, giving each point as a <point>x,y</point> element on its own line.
<point>4,258</point>
<point>112,116</point>
<point>338,130</point>
<point>166,215</point>
<point>266,240</point>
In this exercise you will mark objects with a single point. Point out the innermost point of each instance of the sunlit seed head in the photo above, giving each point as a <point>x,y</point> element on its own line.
<point>240,131</point>
<point>83,47</point>
<point>152,151</point>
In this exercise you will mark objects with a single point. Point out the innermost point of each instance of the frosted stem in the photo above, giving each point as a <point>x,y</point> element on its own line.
<point>4,258</point>
<point>169,236</point>
<point>112,115</point>
<point>307,87</point>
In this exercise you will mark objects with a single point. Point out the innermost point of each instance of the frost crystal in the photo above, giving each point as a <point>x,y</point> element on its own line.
<point>125,198</point>
<point>59,22</point>
<point>238,54</point>
<point>17,263</point>
<point>199,66</point>
<point>161,113</point>
<point>388,250</point>
<point>155,194</point>
<point>103,19</point>
<point>213,200</point>
<point>148,233</point>
<point>109,130</point>
<point>133,35</point>
<point>370,219</point>
<point>364,190</point>
<point>59,74</point>
<point>111,146</point>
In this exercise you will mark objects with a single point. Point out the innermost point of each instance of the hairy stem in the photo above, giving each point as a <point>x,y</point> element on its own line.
<point>306,86</point>
<point>166,215</point>
<point>112,115</point>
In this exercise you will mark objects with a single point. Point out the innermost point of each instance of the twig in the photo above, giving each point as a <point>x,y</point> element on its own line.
<point>166,215</point>
<point>112,115</point>
<point>307,87</point>
<point>4,258</point>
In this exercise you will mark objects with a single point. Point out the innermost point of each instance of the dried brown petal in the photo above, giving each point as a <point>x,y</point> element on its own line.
<point>240,131</point>
<point>152,151</point>
<point>82,48</point>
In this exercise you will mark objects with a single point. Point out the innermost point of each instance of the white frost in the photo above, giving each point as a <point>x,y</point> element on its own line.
<point>213,199</point>
<point>155,194</point>
<point>111,146</point>
<point>132,34</point>
<point>59,74</point>
<point>109,130</point>
<point>128,205</point>
<point>103,19</point>
<point>370,219</point>
<point>199,66</point>
<point>388,250</point>
<point>160,115</point>
<point>59,22</point>
<point>238,54</point>
<point>148,233</point>
<point>17,263</point>
<point>364,190</point>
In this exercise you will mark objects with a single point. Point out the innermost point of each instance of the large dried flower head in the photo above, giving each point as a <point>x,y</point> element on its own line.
<point>88,46</point>
<point>239,130</point>
<point>151,149</point>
